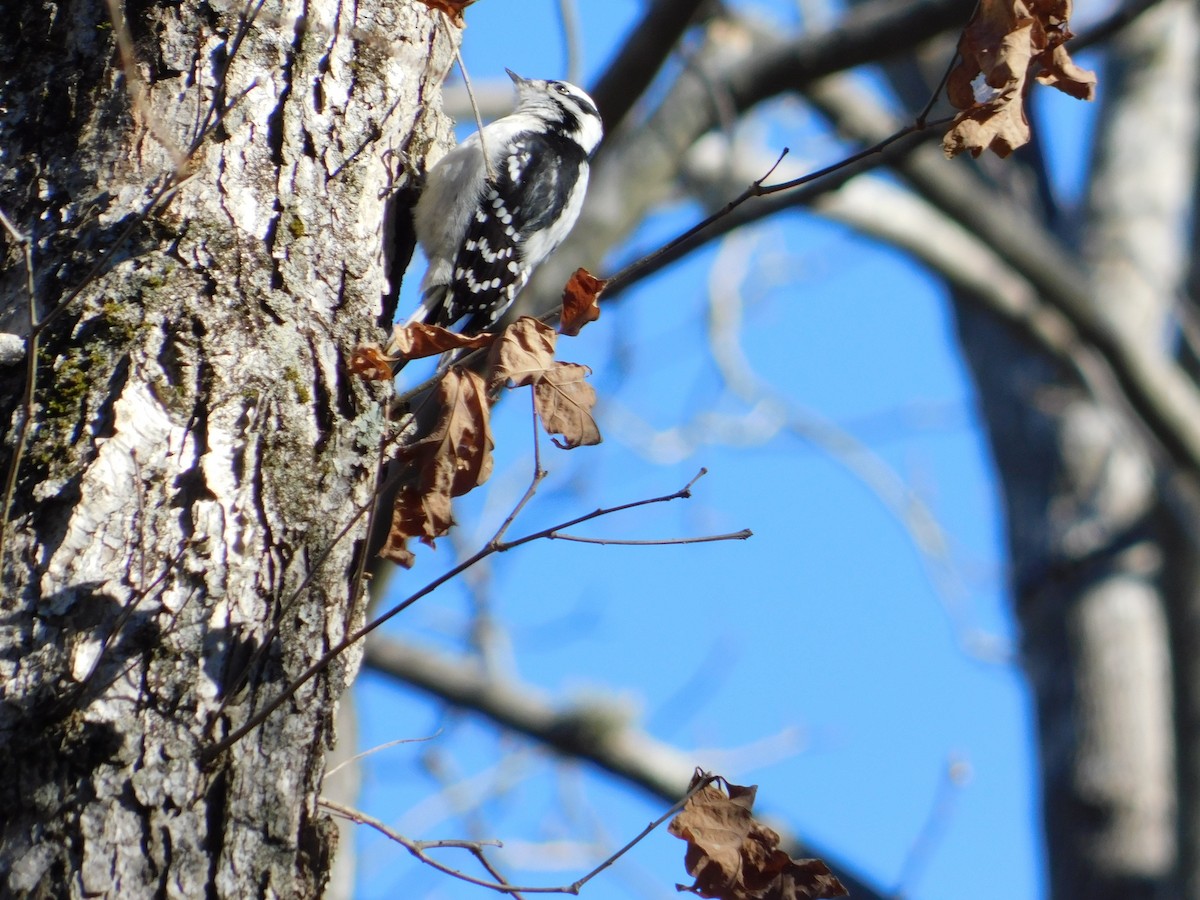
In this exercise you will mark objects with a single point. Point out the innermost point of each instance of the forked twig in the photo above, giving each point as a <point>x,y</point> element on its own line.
<point>636,269</point>
<point>476,848</point>
<point>419,848</point>
<point>539,475</point>
<point>492,546</point>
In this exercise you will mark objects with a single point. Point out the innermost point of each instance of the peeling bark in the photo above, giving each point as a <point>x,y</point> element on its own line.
<point>199,457</point>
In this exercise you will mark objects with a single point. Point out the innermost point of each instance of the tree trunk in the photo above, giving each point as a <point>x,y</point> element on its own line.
<point>205,208</point>
<point>1089,505</point>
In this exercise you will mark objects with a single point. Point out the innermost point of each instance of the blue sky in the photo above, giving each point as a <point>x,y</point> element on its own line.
<point>822,647</point>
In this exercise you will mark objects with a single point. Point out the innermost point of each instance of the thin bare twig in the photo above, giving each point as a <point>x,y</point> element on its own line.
<point>135,86</point>
<point>171,185</point>
<point>919,125</point>
<point>418,848</point>
<point>693,237</point>
<point>492,546</point>
<point>683,493</point>
<point>462,67</point>
<point>373,750</point>
<point>568,18</point>
<point>37,324</point>
<point>26,244</point>
<point>742,535</point>
<point>953,777</point>
<point>631,271</point>
<point>476,848</point>
<point>539,475</point>
<point>537,442</point>
<point>698,784</point>
<point>923,115</point>
<point>622,749</point>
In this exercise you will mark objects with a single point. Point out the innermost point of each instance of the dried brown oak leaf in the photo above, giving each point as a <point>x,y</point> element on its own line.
<point>455,457</point>
<point>733,856</point>
<point>523,355</point>
<point>1005,42</point>
<point>370,362</point>
<point>419,340</point>
<point>452,8</point>
<point>564,401</point>
<point>580,301</point>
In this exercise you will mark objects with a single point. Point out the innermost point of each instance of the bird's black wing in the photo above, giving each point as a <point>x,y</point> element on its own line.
<point>533,184</point>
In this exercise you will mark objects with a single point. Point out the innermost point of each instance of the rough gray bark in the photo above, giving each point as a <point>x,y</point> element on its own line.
<point>199,457</point>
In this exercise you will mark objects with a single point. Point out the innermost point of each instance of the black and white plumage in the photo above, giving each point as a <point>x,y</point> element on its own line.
<point>484,236</point>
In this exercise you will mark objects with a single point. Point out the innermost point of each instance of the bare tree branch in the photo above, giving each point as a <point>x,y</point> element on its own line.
<point>1159,392</point>
<point>495,545</point>
<point>476,848</point>
<point>661,770</point>
<point>641,56</point>
<point>870,33</point>
<point>637,169</point>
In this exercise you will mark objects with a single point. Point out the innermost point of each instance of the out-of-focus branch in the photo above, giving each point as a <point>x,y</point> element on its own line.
<point>641,56</point>
<point>1157,391</point>
<point>640,171</point>
<point>1136,243</point>
<point>568,17</point>
<point>1112,23</point>
<point>580,732</point>
<point>637,170</point>
<point>727,279</point>
<point>758,208</point>
<point>870,33</point>
<point>904,220</point>
<point>889,213</point>
<point>589,733</point>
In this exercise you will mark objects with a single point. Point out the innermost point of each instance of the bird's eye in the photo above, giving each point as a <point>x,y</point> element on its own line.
<point>561,88</point>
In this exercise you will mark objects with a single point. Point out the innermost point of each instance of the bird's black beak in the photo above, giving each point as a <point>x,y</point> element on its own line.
<point>517,79</point>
